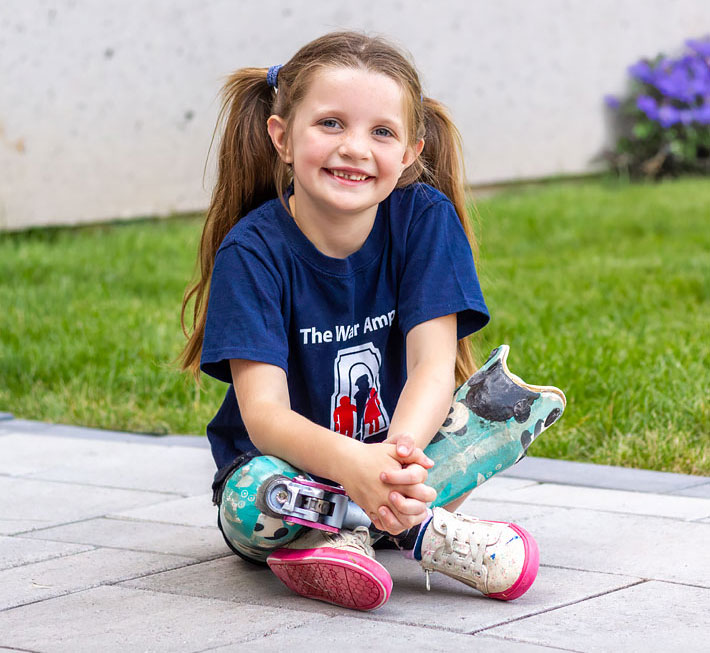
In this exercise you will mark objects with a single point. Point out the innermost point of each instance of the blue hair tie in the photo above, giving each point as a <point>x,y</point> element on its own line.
<point>272,76</point>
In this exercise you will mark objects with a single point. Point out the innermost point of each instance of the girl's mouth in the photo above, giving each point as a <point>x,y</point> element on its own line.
<point>348,177</point>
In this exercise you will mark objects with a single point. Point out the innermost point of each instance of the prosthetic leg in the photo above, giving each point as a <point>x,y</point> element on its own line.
<point>494,418</point>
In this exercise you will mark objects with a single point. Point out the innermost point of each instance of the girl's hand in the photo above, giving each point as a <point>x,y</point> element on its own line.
<point>408,491</point>
<point>408,454</point>
<point>363,484</point>
<point>413,471</point>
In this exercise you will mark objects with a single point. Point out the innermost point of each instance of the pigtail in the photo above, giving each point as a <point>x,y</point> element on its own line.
<point>443,168</point>
<point>245,179</point>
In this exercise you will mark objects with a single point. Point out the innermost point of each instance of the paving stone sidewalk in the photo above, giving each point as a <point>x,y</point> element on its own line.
<point>108,543</point>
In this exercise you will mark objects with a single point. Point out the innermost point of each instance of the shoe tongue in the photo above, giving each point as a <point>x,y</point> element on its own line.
<point>462,547</point>
<point>359,538</point>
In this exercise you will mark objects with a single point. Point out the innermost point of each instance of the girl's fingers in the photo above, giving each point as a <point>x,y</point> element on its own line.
<point>395,522</point>
<point>415,456</point>
<point>407,505</point>
<point>407,476</point>
<point>376,521</point>
<point>409,453</point>
<point>405,445</point>
<point>420,492</point>
<point>420,458</point>
<point>390,522</point>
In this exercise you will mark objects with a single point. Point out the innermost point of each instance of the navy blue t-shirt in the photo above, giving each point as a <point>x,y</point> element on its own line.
<point>336,326</point>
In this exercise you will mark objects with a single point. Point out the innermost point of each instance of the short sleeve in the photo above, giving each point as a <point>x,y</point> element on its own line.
<point>244,316</point>
<point>439,275</point>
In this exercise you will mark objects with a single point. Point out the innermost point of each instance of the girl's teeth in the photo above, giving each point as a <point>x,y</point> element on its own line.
<point>347,175</point>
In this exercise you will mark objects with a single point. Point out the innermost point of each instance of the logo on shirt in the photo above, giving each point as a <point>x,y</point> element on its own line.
<point>355,407</point>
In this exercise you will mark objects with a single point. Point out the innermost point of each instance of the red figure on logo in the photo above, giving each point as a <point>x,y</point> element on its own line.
<point>372,412</point>
<point>344,417</point>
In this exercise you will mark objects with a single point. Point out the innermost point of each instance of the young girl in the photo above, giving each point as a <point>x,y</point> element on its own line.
<point>337,289</point>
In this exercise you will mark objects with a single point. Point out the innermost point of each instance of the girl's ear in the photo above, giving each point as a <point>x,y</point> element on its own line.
<point>276,127</point>
<point>412,153</point>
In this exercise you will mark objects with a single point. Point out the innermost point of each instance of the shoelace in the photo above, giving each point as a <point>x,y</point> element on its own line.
<point>461,548</point>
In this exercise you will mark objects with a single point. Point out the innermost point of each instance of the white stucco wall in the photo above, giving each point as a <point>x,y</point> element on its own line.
<point>107,106</point>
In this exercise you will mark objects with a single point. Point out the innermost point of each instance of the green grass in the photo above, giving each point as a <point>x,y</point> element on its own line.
<point>90,327</point>
<point>599,288</point>
<point>604,290</point>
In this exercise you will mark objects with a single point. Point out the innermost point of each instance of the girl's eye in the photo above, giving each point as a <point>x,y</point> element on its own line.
<point>383,131</point>
<point>330,123</point>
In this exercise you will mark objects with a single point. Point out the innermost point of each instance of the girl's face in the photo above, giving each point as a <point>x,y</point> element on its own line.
<point>347,142</point>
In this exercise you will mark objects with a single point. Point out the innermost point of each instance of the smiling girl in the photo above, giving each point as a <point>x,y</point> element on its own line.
<point>336,293</point>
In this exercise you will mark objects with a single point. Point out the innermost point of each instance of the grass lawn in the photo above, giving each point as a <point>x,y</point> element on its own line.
<point>600,288</point>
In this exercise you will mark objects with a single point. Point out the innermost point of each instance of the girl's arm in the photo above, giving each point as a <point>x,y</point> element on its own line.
<point>275,429</point>
<point>426,397</point>
<point>424,402</point>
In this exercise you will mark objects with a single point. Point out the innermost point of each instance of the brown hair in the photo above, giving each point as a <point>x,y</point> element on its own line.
<point>250,172</point>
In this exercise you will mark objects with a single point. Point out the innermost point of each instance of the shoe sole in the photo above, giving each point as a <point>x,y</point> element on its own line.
<point>344,578</point>
<point>529,571</point>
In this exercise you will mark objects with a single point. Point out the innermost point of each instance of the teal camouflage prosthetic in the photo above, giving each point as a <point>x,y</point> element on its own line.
<point>247,528</point>
<point>493,419</point>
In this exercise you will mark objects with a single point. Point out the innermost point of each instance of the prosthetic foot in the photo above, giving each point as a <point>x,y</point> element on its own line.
<point>494,418</point>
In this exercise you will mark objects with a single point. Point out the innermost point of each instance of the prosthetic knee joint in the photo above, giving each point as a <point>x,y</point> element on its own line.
<point>266,502</point>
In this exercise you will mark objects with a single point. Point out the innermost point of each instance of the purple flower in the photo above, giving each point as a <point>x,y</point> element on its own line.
<point>680,79</point>
<point>701,46</point>
<point>674,85</point>
<point>611,101</point>
<point>686,116</point>
<point>668,115</point>
<point>642,71</point>
<point>648,105</point>
<point>701,76</point>
<point>701,114</point>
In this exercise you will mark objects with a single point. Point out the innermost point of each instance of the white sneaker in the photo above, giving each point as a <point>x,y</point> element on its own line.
<point>338,568</point>
<point>499,559</point>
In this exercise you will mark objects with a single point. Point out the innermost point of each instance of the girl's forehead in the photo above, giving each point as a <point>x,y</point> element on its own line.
<point>355,88</point>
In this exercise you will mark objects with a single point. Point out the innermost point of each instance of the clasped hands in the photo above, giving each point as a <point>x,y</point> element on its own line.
<point>387,481</point>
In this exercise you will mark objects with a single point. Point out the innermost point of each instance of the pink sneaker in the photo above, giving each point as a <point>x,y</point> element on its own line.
<point>338,568</point>
<point>499,559</point>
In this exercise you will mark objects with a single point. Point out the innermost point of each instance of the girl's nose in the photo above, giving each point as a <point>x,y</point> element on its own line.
<point>354,145</point>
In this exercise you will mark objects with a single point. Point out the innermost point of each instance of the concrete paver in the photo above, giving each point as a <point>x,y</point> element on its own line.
<point>195,511</point>
<point>349,635</point>
<point>502,484</point>
<point>43,580</point>
<point>178,470</point>
<point>16,551</point>
<point>639,546</point>
<point>110,544</point>
<point>458,607</point>
<point>702,490</point>
<point>198,543</point>
<point>29,504</point>
<point>553,494</point>
<point>546,470</point>
<point>651,616</point>
<point>117,619</point>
